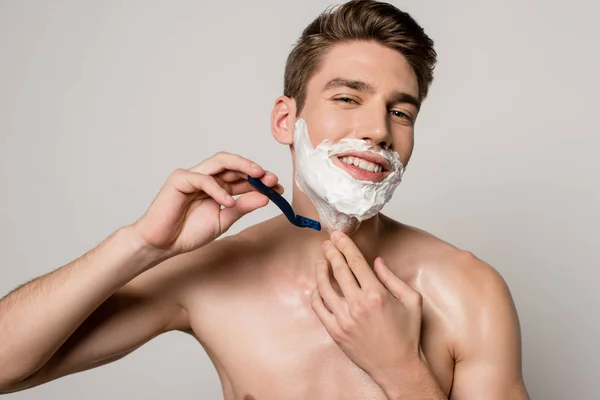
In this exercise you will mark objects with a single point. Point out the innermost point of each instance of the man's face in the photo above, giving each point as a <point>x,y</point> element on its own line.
<point>363,90</point>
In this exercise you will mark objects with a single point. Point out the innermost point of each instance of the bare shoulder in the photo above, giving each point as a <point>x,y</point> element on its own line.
<point>457,286</point>
<point>219,265</point>
<point>181,281</point>
<point>429,255</point>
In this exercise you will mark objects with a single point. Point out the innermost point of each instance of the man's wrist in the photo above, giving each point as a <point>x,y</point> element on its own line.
<point>411,380</point>
<point>146,256</point>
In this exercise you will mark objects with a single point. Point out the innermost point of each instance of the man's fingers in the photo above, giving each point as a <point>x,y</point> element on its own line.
<point>324,314</point>
<point>342,273</point>
<point>237,182</point>
<point>395,285</point>
<point>243,205</point>
<point>356,261</point>
<point>191,182</point>
<point>235,188</point>
<point>326,291</point>
<point>269,178</point>
<point>245,187</point>
<point>231,171</point>
<point>223,161</point>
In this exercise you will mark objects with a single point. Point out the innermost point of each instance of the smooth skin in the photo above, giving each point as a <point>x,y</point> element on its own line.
<point>389,312</point>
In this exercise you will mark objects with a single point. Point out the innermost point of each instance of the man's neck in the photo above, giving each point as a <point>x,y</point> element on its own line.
<point>305,244</point>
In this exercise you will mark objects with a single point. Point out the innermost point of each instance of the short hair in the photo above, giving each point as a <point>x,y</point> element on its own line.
<point>361,20</point>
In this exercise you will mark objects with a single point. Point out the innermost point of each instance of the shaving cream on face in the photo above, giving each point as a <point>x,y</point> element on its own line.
<point>341,200</point>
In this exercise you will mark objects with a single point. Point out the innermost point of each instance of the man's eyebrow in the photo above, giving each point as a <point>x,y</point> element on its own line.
<point>362,86</point>
<point>355,84</point>
<point>402,97</point>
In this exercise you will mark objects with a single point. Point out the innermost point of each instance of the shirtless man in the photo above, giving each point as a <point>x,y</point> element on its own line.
<point>387,312</point>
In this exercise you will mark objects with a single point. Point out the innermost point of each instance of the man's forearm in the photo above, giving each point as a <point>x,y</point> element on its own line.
<point>37,318</point>
<point>415,382</point>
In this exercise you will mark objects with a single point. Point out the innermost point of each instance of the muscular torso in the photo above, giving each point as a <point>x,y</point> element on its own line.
<point>254,318</point>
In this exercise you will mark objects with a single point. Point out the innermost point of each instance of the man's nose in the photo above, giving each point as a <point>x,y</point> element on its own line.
<point>376,131</point>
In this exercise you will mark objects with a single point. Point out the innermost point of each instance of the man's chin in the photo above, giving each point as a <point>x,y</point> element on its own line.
<point>349,230</point>
<point>344,223</point>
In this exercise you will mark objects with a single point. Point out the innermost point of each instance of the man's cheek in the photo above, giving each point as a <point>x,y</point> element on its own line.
<point>404,147</point>
<point>336,125</point>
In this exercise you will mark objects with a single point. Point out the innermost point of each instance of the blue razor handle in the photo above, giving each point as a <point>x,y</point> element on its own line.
<point>284,206</point>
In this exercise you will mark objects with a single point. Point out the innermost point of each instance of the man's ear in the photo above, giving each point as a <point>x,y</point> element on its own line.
<point>283,119</point>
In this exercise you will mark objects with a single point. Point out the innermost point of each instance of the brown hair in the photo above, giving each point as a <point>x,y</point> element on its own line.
<point>359,20</point>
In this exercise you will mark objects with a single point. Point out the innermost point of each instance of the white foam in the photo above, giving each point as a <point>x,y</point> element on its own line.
<point>341,200</point>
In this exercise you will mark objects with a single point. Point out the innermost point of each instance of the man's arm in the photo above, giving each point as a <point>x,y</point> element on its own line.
<point>488,364</point>
<point>84,314</point>
<point>488,345</point>
<point>413,380</point>
<point>113,299</point>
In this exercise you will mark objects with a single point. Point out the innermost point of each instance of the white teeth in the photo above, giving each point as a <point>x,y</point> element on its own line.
<point>362,164</point>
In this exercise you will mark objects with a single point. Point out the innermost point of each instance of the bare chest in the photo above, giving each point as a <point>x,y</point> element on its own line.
<point>272,345</point>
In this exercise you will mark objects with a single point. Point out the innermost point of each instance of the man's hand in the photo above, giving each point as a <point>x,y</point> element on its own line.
<point>377,321</point>
<point>195,206</point>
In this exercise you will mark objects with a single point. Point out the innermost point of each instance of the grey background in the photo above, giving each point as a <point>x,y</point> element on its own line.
<point>100,101</point>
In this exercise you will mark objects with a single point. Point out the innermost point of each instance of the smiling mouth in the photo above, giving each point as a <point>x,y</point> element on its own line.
<point>361,163</point>
<point>362,169</point>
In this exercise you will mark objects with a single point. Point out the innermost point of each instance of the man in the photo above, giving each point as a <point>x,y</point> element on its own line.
<point>384,312</point>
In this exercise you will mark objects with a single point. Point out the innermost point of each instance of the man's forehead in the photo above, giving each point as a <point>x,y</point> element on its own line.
<point>377,68</point>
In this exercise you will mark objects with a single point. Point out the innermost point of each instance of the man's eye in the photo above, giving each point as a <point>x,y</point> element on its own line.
<point>345,100</point>
<point>400,114</point>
